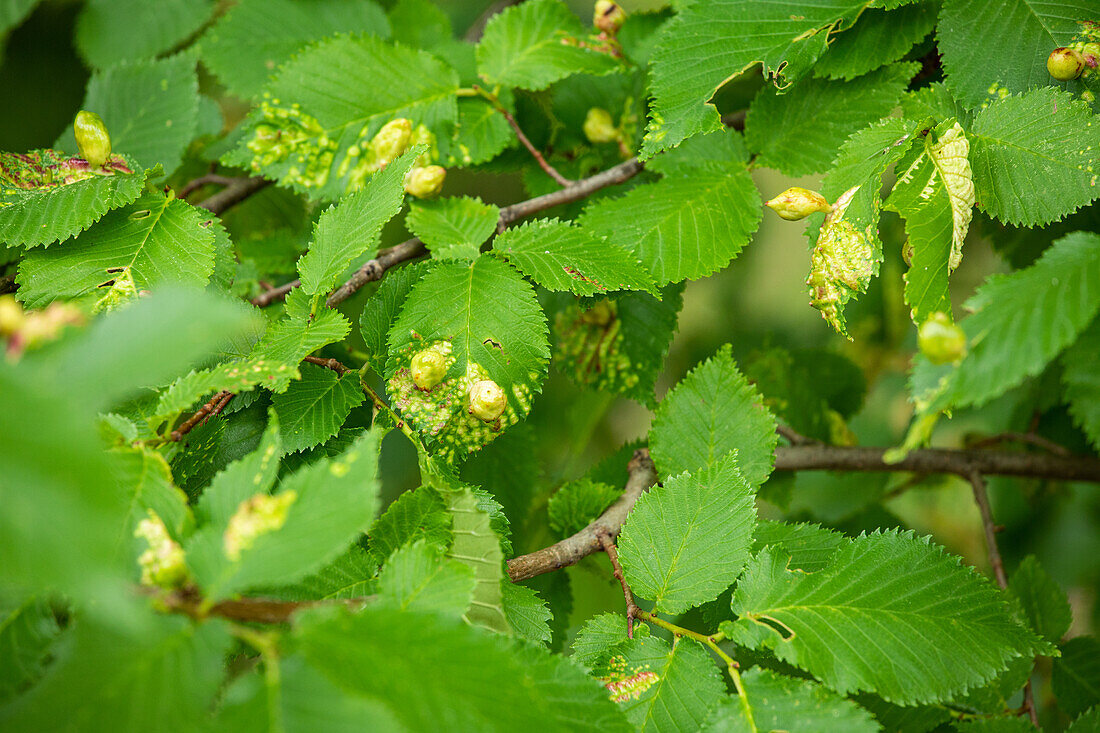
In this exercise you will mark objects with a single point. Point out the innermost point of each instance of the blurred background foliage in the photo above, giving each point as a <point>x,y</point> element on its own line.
<point>757,303</point>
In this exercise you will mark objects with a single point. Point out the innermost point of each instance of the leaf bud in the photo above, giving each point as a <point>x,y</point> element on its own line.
<point>164,564</point>
<point>425,182</point>
<point>11,315</point>
<point>599,127</point>
<point>608,17</point>
<point>487,400</point>
<point>797,203</point>
<point>940,340</point>
<point>92,137</point>
<point>1065,64</point>
<point>428,368</point>
<point>390,141</point>
<point>256,516</point>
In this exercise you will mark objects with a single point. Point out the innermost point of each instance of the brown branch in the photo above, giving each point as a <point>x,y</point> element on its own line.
<point>981,498</point>
<point>270,295</point>
<point>213,406</point>
<point>210,179</point>
<point>934,460</point>
<point>793,436</point>
<point>573,549</point>
<point>234,193</point>
<point>374,269</point>
<point>607,543</point>
<point>581,189</point>
<point>329,364</point>
<point>253,610</point>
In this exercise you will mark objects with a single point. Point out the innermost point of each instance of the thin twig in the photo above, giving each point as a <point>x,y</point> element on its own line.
<point>329,364</point>
<point>607,542</point>
<point>981,498</point>
<point>933,460</point>
<point>1027,438</point>
<point>573,549</point>
<point>217,402</point>
<point>210,179</point>
<point>793,436</point>
<point>270,295</point>
<point>254,610</point>
<point>524,140</point>
<point>233,194</point>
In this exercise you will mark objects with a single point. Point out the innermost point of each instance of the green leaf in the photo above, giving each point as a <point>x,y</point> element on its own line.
<point>1076,675</point>
<point>666,688</point>
<point>877,38</point>
<point>38,207</point>
<point>420,23</point>
<point>27,631</point>
<point>799,131</point>
<point>382,308</point>
<point>153,242</point>
<point>487,316</point>
<point>297,700</point>
<point>351,575</point>
<point>685,226</point>
<point>417,578</point>
<point>251,474</point>
<point>1012,724</point>
<point>1020,323</point>
<point>312,410</point>
<point>347,230</point>
<point>935,196</point>
<point>1044,602</point>
<point>1035,156</point>
<point>150,108</point>
<point>892,613</point>
<point>480,134</point>
<point>110,31</point>
<point>619,345</point>
<point>535,44</point>
<point>543,692</point>
<point>258,36</point>
<point>563,257</point>
<point>291,339</point>
<point>453,228</point>
<point>575,505</point>
<point>688,539</point>
<point>326,104</point>
<point>132,676</point>
<point>1081,382</point>
<point>235,376</point>
<point>772,702</point>
<point>1006,43</point>
<point>711,412</point>
<point>601,633</point>
<point>723,147</point>
<point>13,12</point>
<point>477,546</point>
<point>339,495</point>
<point>144,478</point>
<point>415,515</point>
<point>527,614</point>
<point>708,43</point>
<point>810,546</point>
<point>1086,722</point>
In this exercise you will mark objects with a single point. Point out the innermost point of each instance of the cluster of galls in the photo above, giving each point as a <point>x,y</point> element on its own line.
<point>590,347</point>
<point>485,399</point>
<point>1071,62</point>
<point>256,516</point>
<point>30,329</point>
<point>289,135</point>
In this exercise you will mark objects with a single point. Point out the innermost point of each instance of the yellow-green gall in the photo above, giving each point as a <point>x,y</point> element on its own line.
<point>1065,64</point>
<point>92,138</point>
<point>487,400</point>
<point>256,516</point>
<point>164,564</point>
<point>391,141</point>
<point>599,127</point>
<point>600,314</point>
<point>425,182</point>
<point>11,315</point>
<point>797,203</point>
<point>608,16</point>
<point>940,340</point>
<point>428,368</point>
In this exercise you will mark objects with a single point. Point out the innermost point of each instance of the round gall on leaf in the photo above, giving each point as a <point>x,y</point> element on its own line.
<point>487,400</point>
<point>1065,64</point>
<point>428,368</point>
<point>940,340</point>
<point>599,127</point>
<point>391,141</point>
<point>608,17</point>
<point>797,203</point>
<point>92,138</point>
<point>425,182</point>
